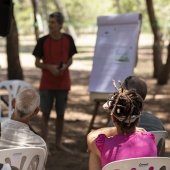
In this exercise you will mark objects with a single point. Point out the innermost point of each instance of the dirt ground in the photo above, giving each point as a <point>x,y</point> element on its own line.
<point>80,108</point>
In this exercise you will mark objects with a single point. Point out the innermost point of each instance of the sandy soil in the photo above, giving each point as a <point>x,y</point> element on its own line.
<point>80,108</point>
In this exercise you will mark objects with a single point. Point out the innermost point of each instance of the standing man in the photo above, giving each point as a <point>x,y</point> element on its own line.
<point>54,54</point>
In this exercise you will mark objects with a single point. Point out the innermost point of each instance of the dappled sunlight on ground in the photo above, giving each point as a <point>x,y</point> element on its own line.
<point>80,108</point>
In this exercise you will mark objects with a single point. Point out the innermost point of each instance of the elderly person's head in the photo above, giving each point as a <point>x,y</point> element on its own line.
<point>26,104</point>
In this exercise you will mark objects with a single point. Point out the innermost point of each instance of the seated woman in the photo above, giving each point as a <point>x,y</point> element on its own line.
<point>123,141</point>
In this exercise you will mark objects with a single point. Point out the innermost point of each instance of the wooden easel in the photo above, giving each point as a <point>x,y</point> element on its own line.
<point>95,112</point>
<point>98,98</point>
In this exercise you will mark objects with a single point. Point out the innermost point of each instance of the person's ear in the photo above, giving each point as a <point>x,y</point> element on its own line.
<point>13,103</point>
<point>36,111</point>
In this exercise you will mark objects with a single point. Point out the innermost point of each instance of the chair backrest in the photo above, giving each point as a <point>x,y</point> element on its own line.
<point>24,157</point>
<point>160,139</point>
<point>10,88</point>
<point>145,163</point>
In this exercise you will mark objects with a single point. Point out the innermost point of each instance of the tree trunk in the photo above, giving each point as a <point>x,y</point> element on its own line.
<point>164,74</point>
<point>70,28</point>
<point>12,49</point>
<point>61,9</point>
<point>158,43</point>
<point>43,11</point>
<point>117,3</point>
<point>35,9</point>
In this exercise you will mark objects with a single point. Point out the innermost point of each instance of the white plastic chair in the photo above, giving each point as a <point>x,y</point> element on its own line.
<point>160,139</point>
<point>145,163</point>
<point>24,158</point>
<point>10,88</point>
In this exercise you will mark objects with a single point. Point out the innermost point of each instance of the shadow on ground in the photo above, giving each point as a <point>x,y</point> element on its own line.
<point>80,109</point>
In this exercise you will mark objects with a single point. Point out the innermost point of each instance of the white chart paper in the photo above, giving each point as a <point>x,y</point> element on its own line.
<point>115,50</point>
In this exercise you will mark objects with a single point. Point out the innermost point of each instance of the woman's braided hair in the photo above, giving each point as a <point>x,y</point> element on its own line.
<point>125,106</point>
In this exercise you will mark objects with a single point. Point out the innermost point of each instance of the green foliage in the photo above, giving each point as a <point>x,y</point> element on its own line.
<point>135,6</point>
<point>84,13</point>
<point>24,16</point>
<point>161,9</point>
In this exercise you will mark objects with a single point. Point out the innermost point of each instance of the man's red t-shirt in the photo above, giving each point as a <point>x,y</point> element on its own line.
<point>55,52</point>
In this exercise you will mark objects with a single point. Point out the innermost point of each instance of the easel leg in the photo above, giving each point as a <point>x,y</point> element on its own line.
<point>93,116</point>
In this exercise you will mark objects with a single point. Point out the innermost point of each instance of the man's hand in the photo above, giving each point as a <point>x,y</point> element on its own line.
<point>53,70</point>
<point>63,68</point>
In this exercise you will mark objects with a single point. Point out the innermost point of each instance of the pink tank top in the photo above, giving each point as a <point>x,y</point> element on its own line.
<point>138,144</point>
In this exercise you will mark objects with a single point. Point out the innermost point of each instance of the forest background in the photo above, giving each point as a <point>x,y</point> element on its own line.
<point>31,21</point>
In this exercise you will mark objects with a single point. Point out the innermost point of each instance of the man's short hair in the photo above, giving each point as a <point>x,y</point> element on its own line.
<point>136,83</point>
<point>27,101</point>
<point>58,16</point>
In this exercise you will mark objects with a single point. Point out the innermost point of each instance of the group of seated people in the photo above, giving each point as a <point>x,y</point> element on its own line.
<point>123,138</point>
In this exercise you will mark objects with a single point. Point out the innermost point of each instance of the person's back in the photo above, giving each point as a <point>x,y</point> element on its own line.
<point>125,146</point>
<point>150,122</point>
<point>16,133</point>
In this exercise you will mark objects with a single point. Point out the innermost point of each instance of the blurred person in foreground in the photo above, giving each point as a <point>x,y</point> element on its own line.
<point>147,121</point>
<point>15,132</point>
<point>54,54</point>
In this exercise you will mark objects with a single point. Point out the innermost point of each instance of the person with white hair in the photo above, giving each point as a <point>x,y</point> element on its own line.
<point>16,132</point>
